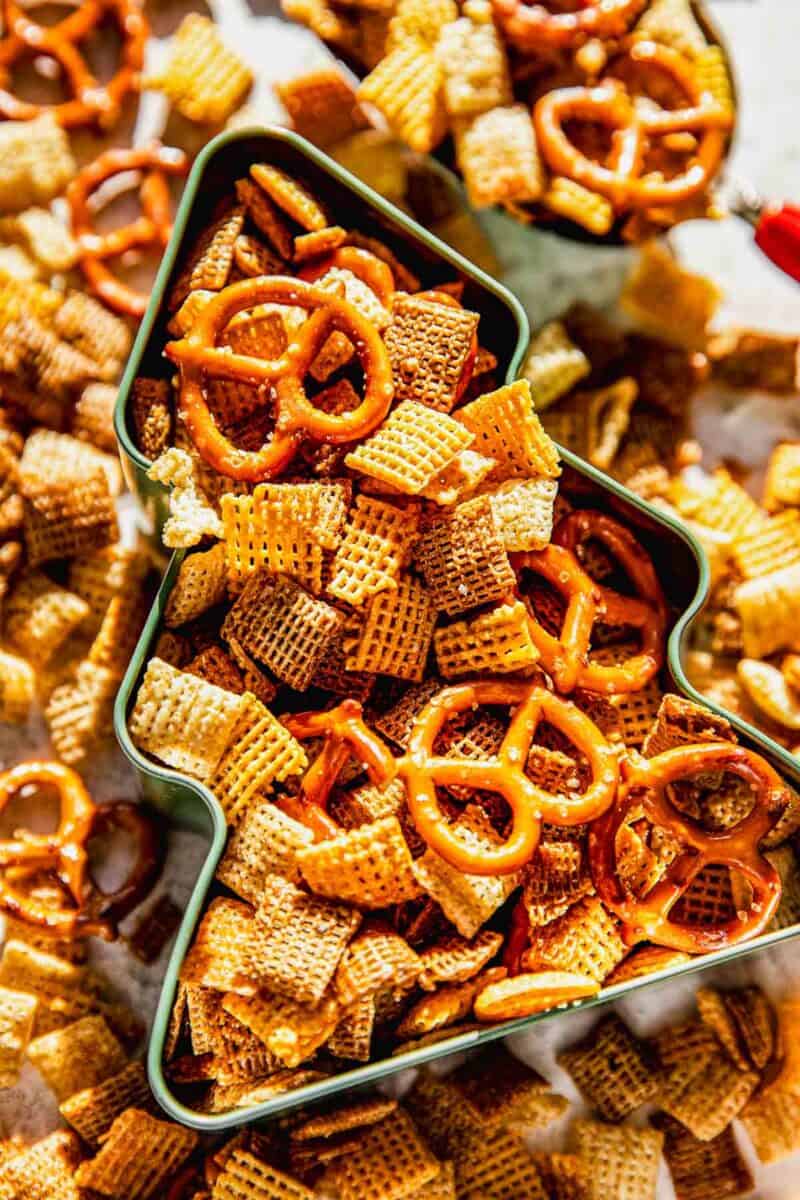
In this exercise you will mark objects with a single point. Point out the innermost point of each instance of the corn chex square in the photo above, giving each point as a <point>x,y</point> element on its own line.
<point>182,720</point>
<point>369,866</point>
<point>291,1031</point>
<point>222,950</point>
<point>497,1089</point>
<point>621,1160</point>
<point>476,73</point>
<point>455,959</point>
<point>322,105</point>
<point>411,448</point>
<point>523,512</point>
<point>265,843</point>
<point>495,642</point>
<point>396,634</point>
<point>611,1069</point>
<point>246,1175</point>
<point>376,958</point>
<point>44,1171</point>
<point>392,1162</point>
<point>703,1170</point>
<point>507,429</point>
<point>17,1012</point>
<point>200,584</point>
<point>772,1120</point>
<point>463,558</point>
<point>352,1037</point>
<point>554,365</point>
<point>40,616</point>
<point>203,79</point>
<point>430,346</point>
<point>586,940</point>
<point>260,753</point>
<point>77,1056</point>
<point>93,1111</point>
<point>377,544</point>
<point>406,87</point>
<point>138,1157</point>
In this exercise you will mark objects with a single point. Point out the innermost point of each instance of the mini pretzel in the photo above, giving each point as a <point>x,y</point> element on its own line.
<point>633,128</point>
<point>296,416</point>
<point>518,939</point>
<point>92,102</point>
<point>503,774</point>
<point>153,228</point>
<point>345,735</point>
<point>367,267</point>
<point>645,790</point>
<point>90,911</point>
<point>532,27</point>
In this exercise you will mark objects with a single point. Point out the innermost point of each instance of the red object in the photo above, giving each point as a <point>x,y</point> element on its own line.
<point>778,235</point>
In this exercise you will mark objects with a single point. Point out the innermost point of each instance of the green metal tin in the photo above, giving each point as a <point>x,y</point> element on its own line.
<point>678,557</point>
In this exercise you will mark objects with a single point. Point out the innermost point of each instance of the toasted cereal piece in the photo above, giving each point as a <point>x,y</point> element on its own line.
<point>392,1160</point>
<point>191,515</point>
<point>430,347</point>
<point>720,504</point>
<point>376,546</point>
<point>497,1089</point>
<point>49,457</point>
<point>572,200</point>
<point>111,572</point>
<point>369,866</point>
<point>476,73</point>
<point>421,20</point>
<point>507,429</point>
<point>17,1012</point>
<point>713,75</point>
<point>703,1170</point>
<point>437,1105</point>
<point>496,642</point>
<point>667,301</point>
<point>208,266</point>
<point>44,237</point>
<point>621,1160</point>
<point>407,88</point>
<point>457,960</point>
<point>772,1120</point>
<point>94,331</point>
<point>468,901</point>
<point>396,634</point>
<point>154,929</point>
<point>322,105</point>
<point>747,359</point>
<point>224,1097</point>
<point>282,626</point>
<point>767,688</point>
<point>151,413</point>
<point>93,417</point>
<point>681,722</point>
<point>92,1111</point>
<point>565,1176</point>
<point>712,1097</point>
<point>771,546</point>
<point>290,196</point>
<point>266,842</point>
<point>376,959</point>
<point>300,940</point>
<point>769,609</point>
<point>446,1006</point>
<point>220,955</point>
<point>496,1164</point>
<point>200,584</point>
<point>756,1021</point>
<point>555,878</point>
<point>79,712</point>
<point>138,1157</point>
<point>369,802</point>
<point>782,484</point>
<point>203,79</point>
<point>37,162</point>
<point>260,753</point>
<point>246,1174</point>
<point>359,1114</point>
<point>69,518</point>
<point>397,721</point>
<point>252,257</point>
<point>463,558</point>
<point>611,1069</point>
<point>352,1037</point>
<point>45,1170</point>
<point>182,720</point>
<point>17,688</point>
<point>412,446</point>
<point>40,616</point>
<point>672,22</point>
<point>586,940</point>
<point>46,363</point>
<point>290,1030</point>
<point>636,711</point>
<point>78,1056</point>
<point>554,365</point>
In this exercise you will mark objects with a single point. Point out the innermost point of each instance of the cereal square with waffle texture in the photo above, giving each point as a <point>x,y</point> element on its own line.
<point>611,1069</point>
<point>396,634</point>
<point>392,1162</point>
<point>495,642</point>
<point>411,448</point>
<point>430,345</point>
<point>322,105</point>
<point>260,753</point>
<point>17,1013</point>
<point>290,1030</point>
<point>44,1171</point>
<point>78,1056</point>
<point>200,584</point>
<point>265,843</point>
<point>40,616</point>
<point>204,79</point>
<point>406,87</point>
<point>507,429</point>
<point>586,940</point>
<point>222,951</point>
<point>247,1175</point>
<point>93,1111</point>
<point>621,1160</point>
<point>703,1170</point>
<point>138,1158</point>
<point>377,544</point>
<point>377,958</point>
<point>463,558</point>
<point>369,866</point>
<point>496,1164</point>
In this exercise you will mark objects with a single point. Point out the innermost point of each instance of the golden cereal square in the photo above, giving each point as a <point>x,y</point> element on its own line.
<point>376,959</point>
<point>291,1031</point>
<point>322,105</point>
<point>430,348</point>
<point>463,557</point>
<point>247,1175</point>
<point>93,1111</point>
<point>496,642</point>
<point>621,1160</point>
<point>369,866</point>
<point>17,688</point>
<point>586,940</point>
<point>782,484</point>
<point>396,634</point>
<point>554,365</point>
<point>260,753</point>
<point>411,448</point>
<point>203,79</point>
<point>569,199</point>
<point>668,301</point>
<point>221,953</point>
<point>377,544</point>
<point>77,1056</point>
<point>407,88</point>
<point>200,584</point>
<point>139,1156</point>
<point>17,1012</point>
<point>476,72</point>
<point>266,842</point>
<point>703,1170</point>
<point>44,1171</point>
<point>392,1162</point>
<point>37,162</point>
<point>40,616</point>
<point>611,1069</point>
<point>496,1164</point>
<point>507,429</point>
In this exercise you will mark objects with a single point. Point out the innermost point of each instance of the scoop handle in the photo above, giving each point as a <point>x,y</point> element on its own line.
<point>778,236</point>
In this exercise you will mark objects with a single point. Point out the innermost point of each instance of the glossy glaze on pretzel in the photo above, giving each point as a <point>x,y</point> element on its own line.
<point>151,229</point>
<point>644,790</point>
<point>533,27</point>
<point>296,417</point>
<point>504,774</point>
<point>92,102</point>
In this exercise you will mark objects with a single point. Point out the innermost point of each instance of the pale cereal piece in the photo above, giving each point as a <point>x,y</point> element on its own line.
<point>672,22</point>
<point>668,301</point>
<point>283,626</point>
<point>69,518</point>
<point>420,20</point>
<point>782,484</point>
<point>681,722</point>
<point>713,75</point>
<point>151,413</point>
<point>224,1097</point>
<point>396,634</point>
<point>496,642</point>
<point>463,559</point>
<point>93,416</point>
<point>17,1012</point>
<point>412,446</point>
<point>300,941</point>
<point>138,1157</point>
<point>266,842</point>
<point>772,1121</point>
<point>25,967</point>
<point>430,347</point>
<point>94,331</point>
<point>44,237</point>
<point>376,959</point>
<point>719,503</point>
<point>290,1030</point>
<point>769,609</point>
<point>620,1160</point>
<point>476,71</point>
<point>182,720</point>
<point>247,1175</point>
<point>459,479</point>
<point>645,961</point>
<point>572,200</point>
<point>456,959</point>
<point>291,196</point>
<point>322,105</point>
<point>407,88</point>
<point>369,866</point>
<point>507,429</point>
<point>712,1097</point>
<point>586,940</point>
<point>44,1171</point>
<point>92,1111</point>
<point>260,753</point>
<point>554,364</point>
<point>191,515</point>
<point>352,1037</point>
<point>221,953</point>
<point>40,616</point>
<point>703,1170</point>
<point>468,901</point>
<point>37,162</point>
<point>200,584</point>
<point>208,266</point>
<point>637,711</point>
<point>17,688</point>
<point>391,1162</point>
<point>18,269</point>
<point>377,544</point>
<point>79,712</point>
<point>203,79</point>
<point>555,878</point>
<point>78,1056</point>
<point>496,1164</point>
<point>251,257</point>
<point>612,1069</point>
<point>766,686</point>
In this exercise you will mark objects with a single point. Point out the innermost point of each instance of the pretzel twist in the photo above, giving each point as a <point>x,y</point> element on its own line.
<point>504,774</point>
<point>645,789</point>
<point>532,27</point>
<point>152,228</point>
<point>91,102</point>
<point>199,358</point>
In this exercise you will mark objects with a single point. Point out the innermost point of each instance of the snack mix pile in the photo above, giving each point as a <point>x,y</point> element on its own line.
<point>414,652</point>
